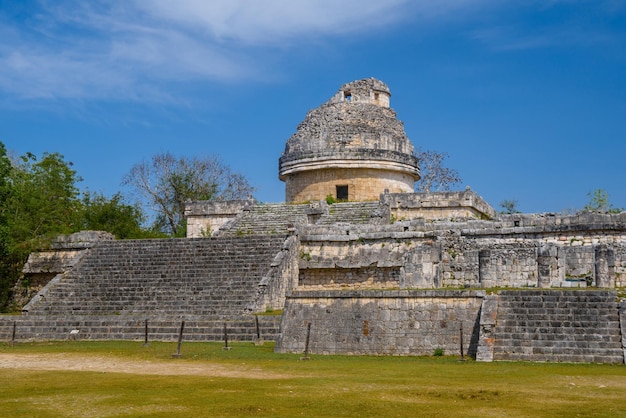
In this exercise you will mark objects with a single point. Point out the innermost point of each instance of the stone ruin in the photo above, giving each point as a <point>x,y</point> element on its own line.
<point>381,271</point>
<point>352,148</point>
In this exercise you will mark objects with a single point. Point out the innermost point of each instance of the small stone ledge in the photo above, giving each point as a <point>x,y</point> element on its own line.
<point>355,235</point>
<point>364,294</point>
<point>559,292</point>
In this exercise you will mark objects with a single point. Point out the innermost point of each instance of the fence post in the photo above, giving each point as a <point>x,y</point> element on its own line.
<point>226,347</point>
<point>259,340</point>
<point>14,332</point>
<point>145,343</point>
<point>306,344</point>
<point>180,340</point>
<point>461,343</point>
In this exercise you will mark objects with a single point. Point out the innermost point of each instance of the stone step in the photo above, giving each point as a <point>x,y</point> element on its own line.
<point>571,322</point>
<point>278,218</point>
<point>133,328</point>
<point>558,325</point>
<point>563,358</point>
<point>186,276</point>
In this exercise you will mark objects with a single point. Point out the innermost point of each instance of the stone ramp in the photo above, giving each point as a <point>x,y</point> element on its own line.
<point>558,326</point>
<point>207,277</point>
<point>132,327</point>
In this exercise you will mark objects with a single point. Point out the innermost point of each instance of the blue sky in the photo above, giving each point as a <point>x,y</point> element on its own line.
<point>528,98</point>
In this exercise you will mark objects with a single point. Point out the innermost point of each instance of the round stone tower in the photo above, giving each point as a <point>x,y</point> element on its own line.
<point>352,148</point>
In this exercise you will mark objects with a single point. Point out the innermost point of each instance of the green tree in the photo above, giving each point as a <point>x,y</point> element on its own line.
<point>44,200</point>
<point>165,183</point>
<point>599,202</point>
<point>7,274</point>
<point>433,175</point>
<point>39,200</point>
<point>113,215</point>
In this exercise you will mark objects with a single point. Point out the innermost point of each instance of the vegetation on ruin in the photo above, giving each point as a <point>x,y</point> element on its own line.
<point>599,202</point>
<point>509,206</point>
<point>283,385</point>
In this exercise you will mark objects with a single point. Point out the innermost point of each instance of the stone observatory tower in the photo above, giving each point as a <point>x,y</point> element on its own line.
<point>352,148</point>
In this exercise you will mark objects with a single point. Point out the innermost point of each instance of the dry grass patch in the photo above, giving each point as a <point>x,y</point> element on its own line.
<point>124,379</point>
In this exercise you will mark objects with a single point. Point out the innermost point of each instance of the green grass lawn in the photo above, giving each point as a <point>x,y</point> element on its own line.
<point>323,386</point>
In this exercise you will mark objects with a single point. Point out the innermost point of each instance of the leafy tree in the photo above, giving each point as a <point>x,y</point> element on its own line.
<point>165,183</point>
<point>113,215</point>
<point>6,260</point>
<point>39,201</point>
<point>434,176</point>
<point>44,199</point>
<point>599,202</point>
<point>509,206</point>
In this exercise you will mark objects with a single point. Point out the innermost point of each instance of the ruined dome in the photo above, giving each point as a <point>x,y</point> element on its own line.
<point>354,139</point>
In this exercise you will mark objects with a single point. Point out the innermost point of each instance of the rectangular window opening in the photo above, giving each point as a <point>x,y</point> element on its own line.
<point>342,192</point>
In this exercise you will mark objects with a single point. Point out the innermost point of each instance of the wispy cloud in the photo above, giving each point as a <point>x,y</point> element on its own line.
<point>125,50</point>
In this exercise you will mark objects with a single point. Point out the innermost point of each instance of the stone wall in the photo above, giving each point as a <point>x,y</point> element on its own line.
<point>353,278</point>
<point>280,280</point>
<point>381,322</point>
<point>363,183</point>
<point>205,218</point>
<point>437,205</point>
<point>525,251</point>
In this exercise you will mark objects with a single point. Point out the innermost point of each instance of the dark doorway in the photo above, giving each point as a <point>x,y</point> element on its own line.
<point>342,192</point>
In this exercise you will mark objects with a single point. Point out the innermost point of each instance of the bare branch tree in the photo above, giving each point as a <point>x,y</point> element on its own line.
<point>509,206</point>
<point>165,183</point>
<point>434,176</point>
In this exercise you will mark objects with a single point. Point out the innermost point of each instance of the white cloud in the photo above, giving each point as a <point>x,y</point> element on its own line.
<point>124,51</point>
<point>274,21</point>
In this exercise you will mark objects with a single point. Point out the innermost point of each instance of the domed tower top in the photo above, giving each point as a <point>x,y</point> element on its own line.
<point>352,147</point>
<point>369,90</point>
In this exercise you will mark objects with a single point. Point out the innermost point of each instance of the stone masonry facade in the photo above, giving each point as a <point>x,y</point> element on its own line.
<point>361,183</point>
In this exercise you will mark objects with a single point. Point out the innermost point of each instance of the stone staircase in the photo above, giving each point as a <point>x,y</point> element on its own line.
<point>350,212</point>
<point>277,218</point>
<point>265,219</point>
<point>120,284</point>
<point>558,326</point>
